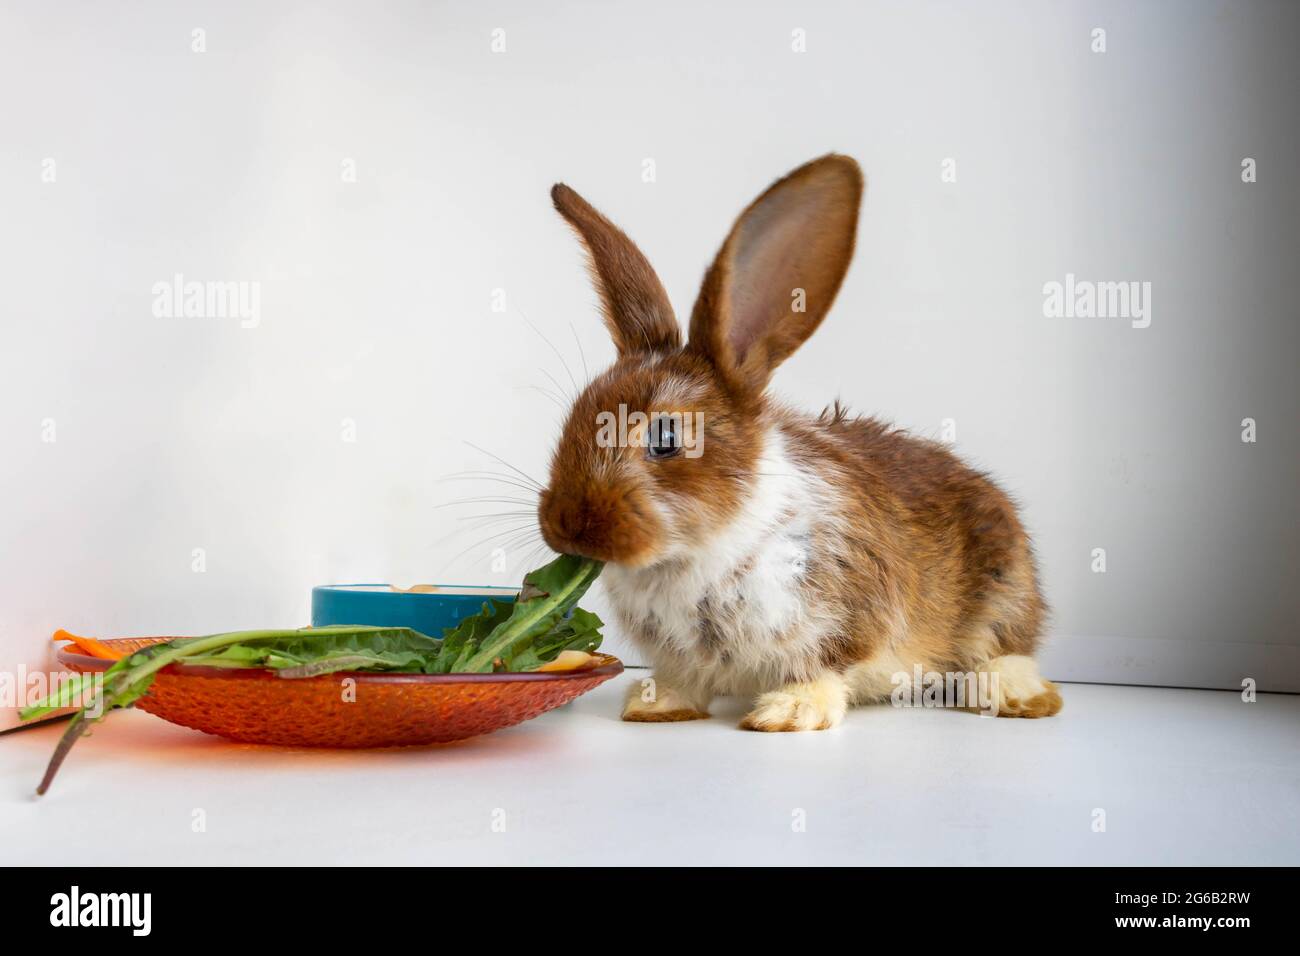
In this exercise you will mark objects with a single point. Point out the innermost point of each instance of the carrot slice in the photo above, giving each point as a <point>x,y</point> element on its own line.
<point>88,645</point>
<point>570,661</point>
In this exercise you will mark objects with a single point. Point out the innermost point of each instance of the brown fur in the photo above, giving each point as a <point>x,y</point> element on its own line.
<point>927,558</point>
<point>1046,704</point>
<point>929,533</point>
<point>634,303</point>
<point>665,716</point>
<point>749,723</point>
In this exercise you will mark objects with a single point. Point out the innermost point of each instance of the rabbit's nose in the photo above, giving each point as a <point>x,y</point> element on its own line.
<point>563,521</point>
<point>570,521</point>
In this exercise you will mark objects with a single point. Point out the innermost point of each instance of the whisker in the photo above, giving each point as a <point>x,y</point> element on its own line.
<point>536,557</point>
<point>488,476</point>
<point>485,501</point>
<point>517,535</point>
<point>560,387</point>
<point>540,550</point>
<point>512,523</point>
<point>548,393</point>
<point>552,345</point>
<point>523,535</point>
<point>586,374</point>
<point>459,530</point>
<point>498,514</point>
<point>523,474</point>
<point>518,520</point>
<point>478,544</point>
<point>520,539</point>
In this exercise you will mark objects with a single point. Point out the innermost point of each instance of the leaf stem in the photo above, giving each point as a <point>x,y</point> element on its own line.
<point>514,628</point>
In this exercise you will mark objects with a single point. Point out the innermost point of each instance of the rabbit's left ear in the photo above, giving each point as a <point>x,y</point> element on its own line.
<point>777,274</point>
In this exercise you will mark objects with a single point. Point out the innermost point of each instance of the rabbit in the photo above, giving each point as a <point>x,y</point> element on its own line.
<point>801,561</point>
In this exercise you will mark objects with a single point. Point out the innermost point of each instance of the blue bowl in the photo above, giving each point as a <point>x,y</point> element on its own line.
<point>427,611</point>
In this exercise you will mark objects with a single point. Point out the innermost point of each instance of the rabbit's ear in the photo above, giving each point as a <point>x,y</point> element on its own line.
<point>776,275</point>
<point>633,301</point>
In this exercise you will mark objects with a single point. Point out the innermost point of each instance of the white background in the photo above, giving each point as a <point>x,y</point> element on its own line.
<point>174,434</point>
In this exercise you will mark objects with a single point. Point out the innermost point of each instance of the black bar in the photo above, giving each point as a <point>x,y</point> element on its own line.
<point>1141,904</point>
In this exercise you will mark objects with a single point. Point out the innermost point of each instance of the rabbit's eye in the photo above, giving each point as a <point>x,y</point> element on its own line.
<point>664,442</point>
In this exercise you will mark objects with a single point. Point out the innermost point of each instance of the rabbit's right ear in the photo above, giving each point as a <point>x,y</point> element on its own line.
<point>633,301</point>
<point>777,274</point>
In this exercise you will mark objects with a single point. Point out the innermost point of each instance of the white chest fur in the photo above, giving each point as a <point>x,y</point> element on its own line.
<point>735,612</point>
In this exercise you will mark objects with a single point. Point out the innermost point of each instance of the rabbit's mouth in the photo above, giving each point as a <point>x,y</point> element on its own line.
<point>600,524</point>
<point>628,559</point>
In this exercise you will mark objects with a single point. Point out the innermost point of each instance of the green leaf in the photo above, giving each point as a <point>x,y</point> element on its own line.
<point>459,643</point>
<point>580,633</point>
<point>548,594</point>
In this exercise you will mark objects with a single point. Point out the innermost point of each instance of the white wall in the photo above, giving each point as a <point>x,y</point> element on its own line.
<point>180,433</point>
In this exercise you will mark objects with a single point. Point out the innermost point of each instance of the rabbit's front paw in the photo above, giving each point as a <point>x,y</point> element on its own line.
<point>816,705</point>
<point>651,701</point>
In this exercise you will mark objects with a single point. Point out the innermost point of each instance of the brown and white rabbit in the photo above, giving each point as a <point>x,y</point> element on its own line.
<point>802,561</point>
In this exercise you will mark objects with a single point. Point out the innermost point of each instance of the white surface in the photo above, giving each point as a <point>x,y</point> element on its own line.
<point>1184,777</point>
<point>1223,664</point>
<point>176,434</point>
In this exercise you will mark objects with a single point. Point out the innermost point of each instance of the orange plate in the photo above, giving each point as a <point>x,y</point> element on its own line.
<point>387,710</point>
